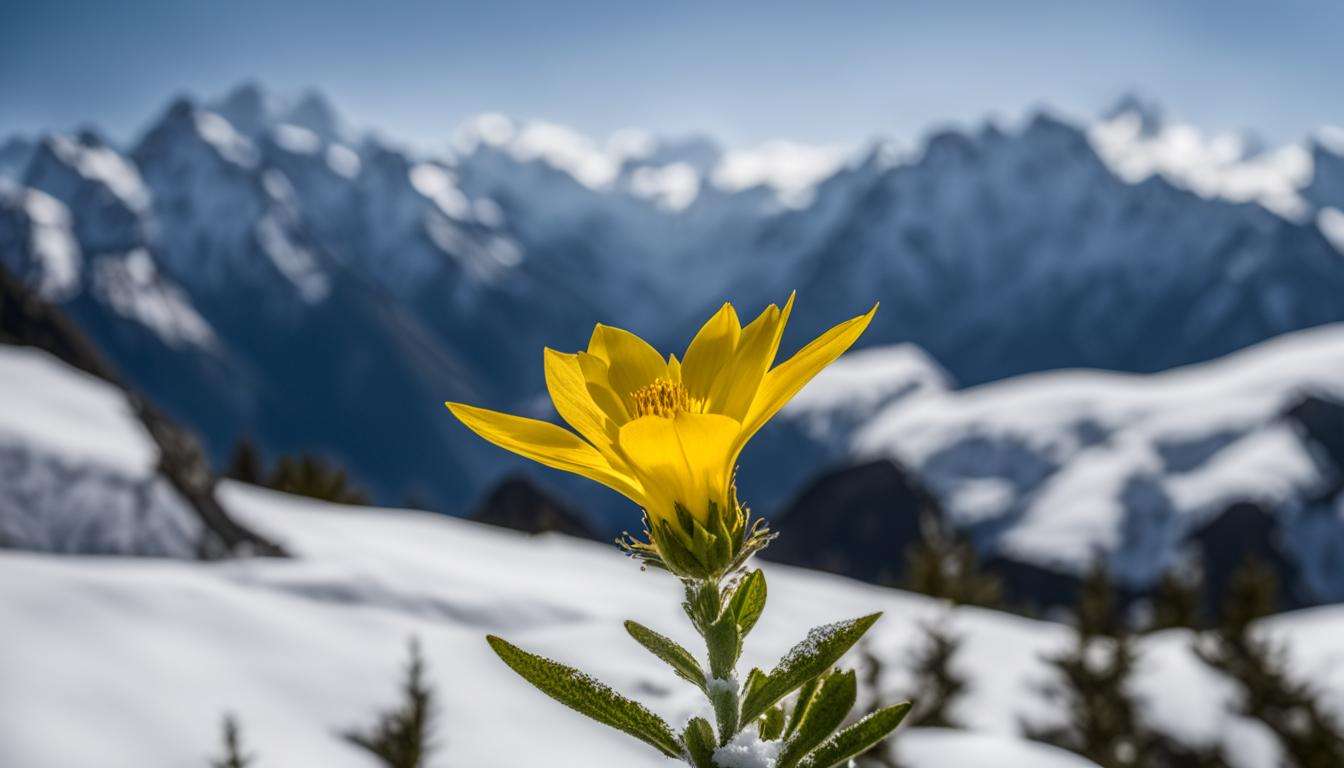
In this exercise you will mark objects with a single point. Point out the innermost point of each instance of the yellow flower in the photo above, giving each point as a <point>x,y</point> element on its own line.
<point>666,433</point>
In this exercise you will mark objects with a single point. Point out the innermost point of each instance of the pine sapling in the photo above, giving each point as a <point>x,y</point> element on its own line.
<point>234,756</point>
<point>400,738</point>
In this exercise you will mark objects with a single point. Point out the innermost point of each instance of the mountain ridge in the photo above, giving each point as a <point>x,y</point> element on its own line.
<point>255,254</point>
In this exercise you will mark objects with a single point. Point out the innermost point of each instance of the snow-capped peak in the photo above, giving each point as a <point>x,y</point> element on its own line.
<point>1137,144</point>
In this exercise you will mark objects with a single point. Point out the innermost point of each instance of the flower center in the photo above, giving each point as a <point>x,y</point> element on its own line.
<point>661,398</point>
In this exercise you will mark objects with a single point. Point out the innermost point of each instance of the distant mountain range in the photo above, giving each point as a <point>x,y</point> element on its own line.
<point>258,269</point>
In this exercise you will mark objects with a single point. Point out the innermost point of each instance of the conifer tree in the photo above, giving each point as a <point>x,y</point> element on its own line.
<point>872,666</point>
<point>1176,601</point>
<point>233,748</point>
<point>1291,708</point>
<point>400,738</point>
<point>936,685</point>
<point>944,564</point>
<point>1094,683</point>
<point>246,465</point>
<point>315,477</point>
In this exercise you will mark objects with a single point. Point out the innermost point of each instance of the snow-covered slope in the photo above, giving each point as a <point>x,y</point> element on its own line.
<point>1052,468</point>
<point>301,648</point>
<point>116,661</point>
<point>78,470</point>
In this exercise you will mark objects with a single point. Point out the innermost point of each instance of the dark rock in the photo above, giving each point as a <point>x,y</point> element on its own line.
<point>1321,421</point>
<point>857,521</point>
<point>518,503</point>
<point>1244,531</point>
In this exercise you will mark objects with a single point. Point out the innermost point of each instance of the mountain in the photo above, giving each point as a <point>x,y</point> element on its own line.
<point>259,268</point>
<point>1055,469</point>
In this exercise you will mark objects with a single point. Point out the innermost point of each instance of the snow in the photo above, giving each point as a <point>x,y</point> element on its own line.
<point>300,648</point>
<point>293,260</point>
<point>133,661</point>
<point>437,184</point>
<point>133,288</point>
<point>955,749</point>
<point>78,469</point>
<point>51,245</point>
<point>746,750</point>
<point>1222,165</point>
<point>1331,223</point>
<point>69,412</point>
<point>231,145</point>
<point>673,186</point>
<point>790,168</point>
<point>300,141</point>
<point>1084,461</point>
<point>343,161</point>
<point>106,166</point>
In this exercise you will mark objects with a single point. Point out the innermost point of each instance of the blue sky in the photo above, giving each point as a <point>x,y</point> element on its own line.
<point>817,71</point>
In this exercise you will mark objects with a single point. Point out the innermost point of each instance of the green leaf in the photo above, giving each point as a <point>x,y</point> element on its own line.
<point>822,647</point>
<point>748,601</point>
<point>772,724</point>
<point>755,679</point>
<point>857,738</point>
<point>678,658</point>
<point>805,695</point>
<point>698,738</point>
<point>588,696</point>
<point>724,645</point>
<point>826,712</point>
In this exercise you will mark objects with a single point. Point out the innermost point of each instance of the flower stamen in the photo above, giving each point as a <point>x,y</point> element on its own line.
<point>661,398</point>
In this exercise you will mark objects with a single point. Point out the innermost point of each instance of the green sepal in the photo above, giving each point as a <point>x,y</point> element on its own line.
<point>698,740</point>
<point>588,696</point>
<point>723,540</point>
<point>684,517</point>
<point>678,658</point>
<point>676,554</point>
<point>824,714</point>
<point>857,738</point>
<point>822,647</point>
<point>771,724</point>
<point>805,695</point>
<point>702,544</point>
<point>748,601</point>
<point>724,645</point>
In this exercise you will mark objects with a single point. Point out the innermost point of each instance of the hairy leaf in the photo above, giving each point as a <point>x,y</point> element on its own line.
<point>826,712</point>
<point>698,738</point>
<point>748,601</point>
<point>805,695</point>
<point>588,696</point>
<point>677,657</point>
<point>857,738</point>
<point>772,724</point>
<point>822,647</point>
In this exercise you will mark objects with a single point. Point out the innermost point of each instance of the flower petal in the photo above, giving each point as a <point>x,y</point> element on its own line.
<point>598,381</point>
<point>631,363</point>
<point>686,459</point>
<point>569,392</point>
<point>755,352</point>
<point>785,380</point>
<point>710,352</point>
<point>547,444</point>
